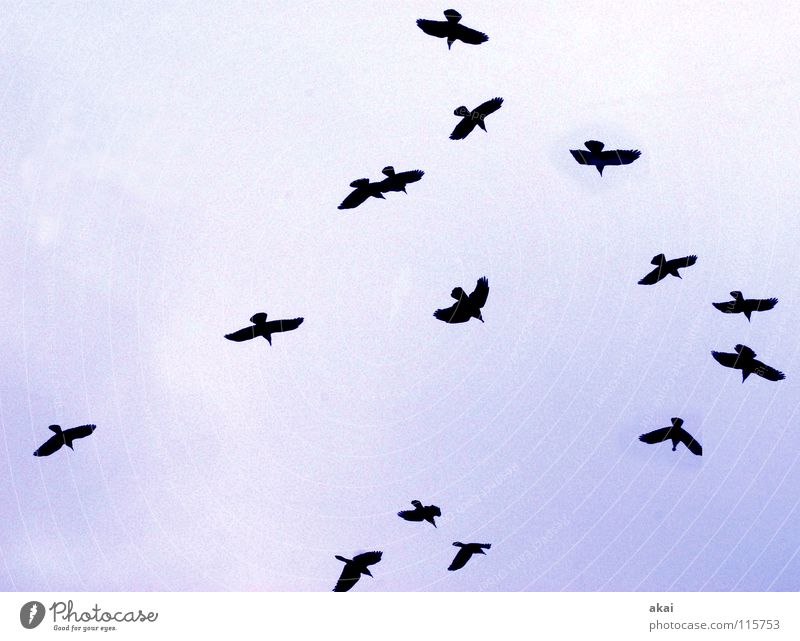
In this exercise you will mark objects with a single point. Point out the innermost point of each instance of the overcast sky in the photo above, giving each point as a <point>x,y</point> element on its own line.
<point>169,169</point>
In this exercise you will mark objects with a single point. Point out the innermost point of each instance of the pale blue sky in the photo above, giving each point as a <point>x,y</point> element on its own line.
<point>169,169</point>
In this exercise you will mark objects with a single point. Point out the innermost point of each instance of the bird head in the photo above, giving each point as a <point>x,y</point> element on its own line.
<point>366,571</point>
<point>458,293</point>
<point>261,317</point>
<point>416,503</point>
<point>657,260</point>
<point>388,171</point>
<point>452,15</point>
<point>737,295</point>
<point>458,544</point>
<point>361,182</point>
<point>462,111</point>
<point>677,422</point>
<point>594,146</point>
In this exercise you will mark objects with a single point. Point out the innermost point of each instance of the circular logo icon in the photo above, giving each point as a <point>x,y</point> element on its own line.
<point>31,614</point>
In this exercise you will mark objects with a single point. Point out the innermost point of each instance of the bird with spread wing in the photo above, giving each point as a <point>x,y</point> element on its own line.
<point>744,359</point>
<point>421,513</point>
<point>746,306</point>
<point>601,159</point>
<point>674,433</point>
<point>466,552</point>
<point>475,117</point>
<point>354,568</point>
<point>666,268</point>
<point>363,189</point>
<point>452,29</point>
<point>63,437</point>
<point>466,306</point>
<point>263,328</point>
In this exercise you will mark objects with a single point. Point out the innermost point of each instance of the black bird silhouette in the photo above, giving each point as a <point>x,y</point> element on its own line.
<point>466,552</point>
<point>475,117</point>
<point>263,328</point>
<point>452,30</point>
<point>363,190</point>
<point>466,307</point>
<point>421,513</point>
<point>600,159</point>
<point>354,568</point>
<point>674,433</point>
<point>398,182</point>
<point>63,437</point>
<point>746,306</point>
<point>745,360</point>
<point>666,267</point>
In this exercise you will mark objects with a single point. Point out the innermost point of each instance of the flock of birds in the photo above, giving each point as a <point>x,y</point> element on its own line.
<point>468,306</point>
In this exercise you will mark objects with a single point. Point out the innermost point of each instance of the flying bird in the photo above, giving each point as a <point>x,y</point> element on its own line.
<point>452,30</point>
<point>354,568</point>
<point>63,437</point>
<point>600,159</point>
<point>363,190</point>
<point>466,552</point>
<point>475,117</point>
<point>745,360</point>
<point>746,306</point>
<point>467,306</point>
<point>398,182</point>
<point>674,433</point>
<point>421,513</point>
<point>666,268</point>
<point>263,328</point>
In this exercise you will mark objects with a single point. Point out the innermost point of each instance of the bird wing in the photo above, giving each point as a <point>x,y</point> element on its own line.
<point>368,558</point>
<point>763,304</point>
<point>480,293</point>
<point>470,36</point>
<point>725,308</point>
<point>50,446</point>
<point>246,334</point>
<point>451,315</point>
<point>725,358</point>
<point>350,576</point>
<point>654,276</point>
<point>581,156</point>
<point>686,261</point>
<point>490,106</point>
<point>622,156</point>
<point>463,129</point>
<point>82,431</point>
<point>770,373</point>
<point>434,27</point>
<point>656,436</point>
<point>407,177</point>
<point>357,197</point>
<point>410,515</point>
<point>461,559</point>
<point>285,325</point>
<point>688,440</point>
